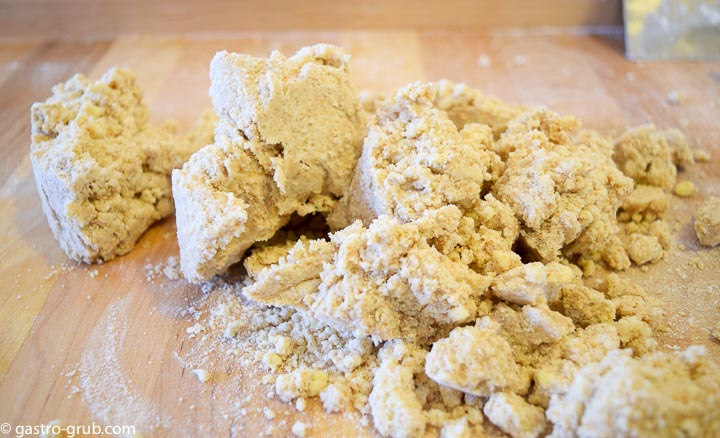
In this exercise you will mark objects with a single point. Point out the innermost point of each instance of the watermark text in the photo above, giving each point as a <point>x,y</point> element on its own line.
<point>56,429</point>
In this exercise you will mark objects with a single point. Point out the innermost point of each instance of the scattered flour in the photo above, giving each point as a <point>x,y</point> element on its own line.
<point>108,393</point>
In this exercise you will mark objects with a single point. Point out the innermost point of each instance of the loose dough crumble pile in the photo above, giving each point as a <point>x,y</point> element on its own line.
<point>439,260</point>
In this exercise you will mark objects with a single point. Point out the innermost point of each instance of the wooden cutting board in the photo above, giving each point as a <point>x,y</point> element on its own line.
<point>56,321</point>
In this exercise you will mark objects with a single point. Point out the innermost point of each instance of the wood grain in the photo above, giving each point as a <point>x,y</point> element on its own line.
<point>54,321</point>
<point>110,18</point>
<point>35,68</point>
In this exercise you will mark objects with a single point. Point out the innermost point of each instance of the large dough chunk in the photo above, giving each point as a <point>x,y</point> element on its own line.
<point>225,201</point>
<point>289,135</point>
<point>415,159</point>
<point>660,395</point>
<point>103,173</point>
<point>302,112</point>
<point>386,280</point>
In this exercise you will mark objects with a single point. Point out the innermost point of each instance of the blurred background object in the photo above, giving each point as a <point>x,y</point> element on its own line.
<point>654,29</point>
<point>111,18</point>
<point>672,29</point>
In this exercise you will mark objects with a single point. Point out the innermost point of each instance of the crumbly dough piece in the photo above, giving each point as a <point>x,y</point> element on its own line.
<point>386,280</point>
<point>585,306</point>
<point>563,186</point>
<point>288,137</point>
<point>225,201</point>
<point>532,283</point>
<point>527,329</point>
<point>102,172</point>
<point>642,249</point>
<point>556,129</point>
<point>473,359</point>
<point>300,383</point>
<point>649,157</point>
<point>646,241</point>
<point>701,155</point>
<point>682,155</point>
<point>465,104</point>
<point>515,416</point>
<point>435,232</point>
<point>484,237</point>
<point>643,236</point>
<point>335,398</point>
<point>645,203</point>
<point>302,112</point>
<point>631,300</point>
<point>707,222</point>
<point>554,366</point>
<point>394,404</point>
<point>293,280</point>
<point>415,159</point>
<point>636,334</point>
<point>644,154</point>
<point>405,403</point>
<point>660,395</point>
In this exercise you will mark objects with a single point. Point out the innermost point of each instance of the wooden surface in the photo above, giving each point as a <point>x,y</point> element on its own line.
<point>110,18</point>
<point>54,321</point>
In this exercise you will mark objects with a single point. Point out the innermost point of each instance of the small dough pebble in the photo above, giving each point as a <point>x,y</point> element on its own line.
<point>707,222</point>
<point>701,155</point>
<point>202,375</point>
<point>299,428</point>
<point>685,189</point>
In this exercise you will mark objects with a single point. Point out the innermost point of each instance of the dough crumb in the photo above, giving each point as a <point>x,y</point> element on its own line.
<point>644,154</point>
<point>484,61</point>
<point>701,155</point>
<point>550,183</point>
<point>300,404</point>
<point>268,413</point>
<point>673,98</point>
<point>299,428</point>
<point>202,375</point>
<point>684,189</point>
<point>300,383</point>
<point>680,148</point>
